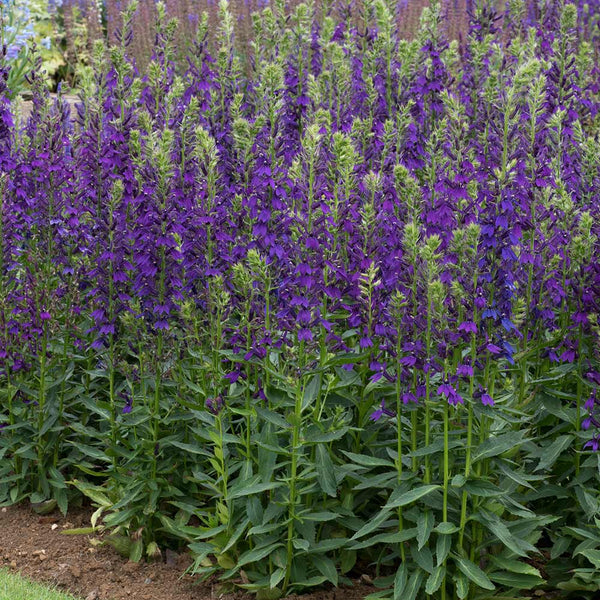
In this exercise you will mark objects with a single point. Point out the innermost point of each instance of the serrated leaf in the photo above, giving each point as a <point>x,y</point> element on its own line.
<point>373,524</point>
<point>496,445</point>
<point>255,488</point>
<point>553,451</point>
<point>519,546</point>
<point>515,566</point>
<point>560,547</point>
<point>435,580</point>
<point>276,577</point>
<point>136,551</point>
<point>400,581</point>
<point>520,581</point>
<point>592,555</point>
<point>462,585</point>
<point>368,461</point>
<point>442,548</point>
<point>272,593</point>
<point>412,496</point>
<point>256,554</point>
<point>413,586</point>
<point>311,391</point>
<point>327,568</point>
<point>423,558</point>
<point>424,527</point>
<point>474,573</point>
<point>482,488</point>
<point>326,471</point>
<point>446,528</point>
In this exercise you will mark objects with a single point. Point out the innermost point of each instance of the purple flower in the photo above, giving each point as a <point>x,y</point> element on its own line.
<point>214,405</point>
<point>382,410</point>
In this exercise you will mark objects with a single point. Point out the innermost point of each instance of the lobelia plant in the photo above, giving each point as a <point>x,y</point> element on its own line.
<point>326,311</point>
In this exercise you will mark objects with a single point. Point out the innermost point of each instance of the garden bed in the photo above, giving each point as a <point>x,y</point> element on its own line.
<point>34,545</point>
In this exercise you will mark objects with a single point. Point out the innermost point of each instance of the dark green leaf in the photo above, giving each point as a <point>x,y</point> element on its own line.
<point>400,581</point>
<point>474,573</point>
<point>496,445</point>
<point>413,586</point>
<point>424,527</point>
<point>434,581</point>
<point>412,496</point>
<point>520,581</point>
<point>327,568</point>
<point>552,452</point>
<point>368,461</point>
<point>326,471</point>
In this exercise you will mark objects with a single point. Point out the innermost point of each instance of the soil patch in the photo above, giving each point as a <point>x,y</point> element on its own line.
<point>34,546</point>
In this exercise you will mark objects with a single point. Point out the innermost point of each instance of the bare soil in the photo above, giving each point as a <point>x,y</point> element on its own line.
<point>35,546</point>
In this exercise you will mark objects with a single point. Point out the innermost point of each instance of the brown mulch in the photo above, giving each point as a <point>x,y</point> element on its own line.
<point>34,546</point>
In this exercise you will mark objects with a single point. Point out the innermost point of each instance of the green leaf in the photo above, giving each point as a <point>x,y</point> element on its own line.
<point>328,545</point>
<point>496,445</point>
<point>315,436</point>
<point>412,496</point>
<point>45,507</point>
<point>515,566</point>
<point>95,493</point>
<point>80,531</point>
<point>368,461</point>
<point>434,581</point>
<point>327,568</point>
<point>255,488</point>
<point>273,593</point>
<point>191,448</point>
<point>519,546</point>
<point>519,477</point>
<point>520,581</point>
<point>413,586</point>
<point>326,471</point>
<point>434,448</point>
<point>423,558</point>
<point>560,547</point>
<point>136,551</point>
<point>462,585</point>
<point>386,538</point>
<point>319,516</point>
<point>446,528</point>
<point>347,560</point>
<point>424,527</point>
<point>474,573</point>
<point>442,548</point>
<point>592,555</point>
<point>553,451</point>
<point>400,581</point>
<point>587,502</point>
<point>276,577</point>
<point>311,391</point>
<point>256,554</point>
<point>373,524</point>
<point>482,488</point>
<point>236,535</point>
<point>272,417</point>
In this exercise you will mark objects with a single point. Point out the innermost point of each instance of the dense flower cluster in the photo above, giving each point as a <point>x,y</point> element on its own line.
<point>251,288</point>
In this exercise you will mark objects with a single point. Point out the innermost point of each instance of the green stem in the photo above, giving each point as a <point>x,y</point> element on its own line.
<point>399,432</point>
<point>294,472</point>
<point>42,408</point>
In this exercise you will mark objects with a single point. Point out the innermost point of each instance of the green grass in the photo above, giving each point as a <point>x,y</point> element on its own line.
<point>14,587</point>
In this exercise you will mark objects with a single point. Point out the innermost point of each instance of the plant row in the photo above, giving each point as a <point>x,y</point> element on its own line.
<point>335,316</point>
